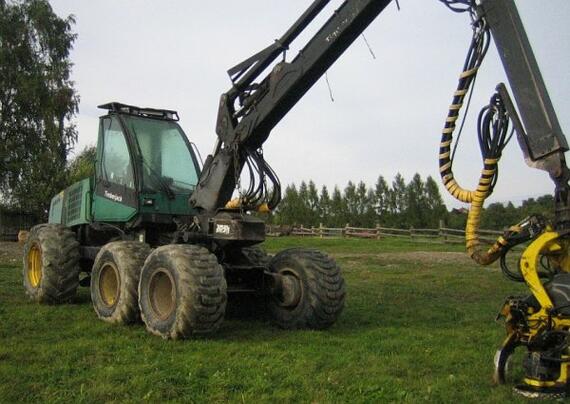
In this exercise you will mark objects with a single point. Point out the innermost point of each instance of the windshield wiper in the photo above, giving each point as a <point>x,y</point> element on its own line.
<point>165,187</point>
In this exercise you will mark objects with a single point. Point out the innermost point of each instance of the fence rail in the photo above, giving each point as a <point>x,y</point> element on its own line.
<point>441,234</point>
<point>11,223</point>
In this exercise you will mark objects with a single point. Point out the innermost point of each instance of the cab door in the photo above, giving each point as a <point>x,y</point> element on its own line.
<point>115,197</point>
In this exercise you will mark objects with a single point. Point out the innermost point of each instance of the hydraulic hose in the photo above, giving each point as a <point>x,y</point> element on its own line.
<point>493,125</point>
<point>477,51</point>
<point>472,242</point>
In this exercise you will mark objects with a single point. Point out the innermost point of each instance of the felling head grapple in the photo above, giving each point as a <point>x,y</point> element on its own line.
<point>539,322</point>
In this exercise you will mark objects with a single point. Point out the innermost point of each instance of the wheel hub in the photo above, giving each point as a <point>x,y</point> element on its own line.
<point>109,285</point>
<point>162,294</point>
<point>35,265</point>
<point>290,290</point>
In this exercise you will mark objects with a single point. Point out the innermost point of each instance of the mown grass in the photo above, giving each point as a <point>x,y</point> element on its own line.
<point>355,245</point>
<point>413,330</point>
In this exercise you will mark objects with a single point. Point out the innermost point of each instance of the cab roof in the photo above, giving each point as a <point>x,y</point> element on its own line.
<point>117,107</point>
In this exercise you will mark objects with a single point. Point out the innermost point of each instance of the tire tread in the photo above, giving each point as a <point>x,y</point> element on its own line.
<point>60,264</point>
<point>324,287</point>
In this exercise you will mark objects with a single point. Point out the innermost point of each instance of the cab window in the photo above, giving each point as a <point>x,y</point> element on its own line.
<point>116,164</point>
<point>166,158</point>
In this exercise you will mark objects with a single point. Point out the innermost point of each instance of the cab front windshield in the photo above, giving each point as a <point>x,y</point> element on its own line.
<point>166,159</point>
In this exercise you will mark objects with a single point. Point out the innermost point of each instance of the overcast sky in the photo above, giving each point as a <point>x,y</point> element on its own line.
<point>387,112</point>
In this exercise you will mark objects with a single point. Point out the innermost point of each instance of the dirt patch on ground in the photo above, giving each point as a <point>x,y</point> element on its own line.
<point>415,257</point>
<point>10,252</point>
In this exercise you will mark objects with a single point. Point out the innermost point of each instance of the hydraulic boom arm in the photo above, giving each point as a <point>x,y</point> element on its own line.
<point>250,110</point>
<point>253,106</point>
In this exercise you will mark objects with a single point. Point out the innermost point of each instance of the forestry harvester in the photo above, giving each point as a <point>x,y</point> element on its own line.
<point>158,236</point>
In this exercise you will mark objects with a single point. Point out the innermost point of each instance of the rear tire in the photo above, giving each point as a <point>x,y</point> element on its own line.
<point>256,255</point>
<point>319,290</point>
<point>115,279</point>
<point>182,292</point>
<point>51,264</point>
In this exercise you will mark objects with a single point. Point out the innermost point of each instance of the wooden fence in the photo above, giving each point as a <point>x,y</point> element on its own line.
<point>12,222</point>
<point>439,235</point>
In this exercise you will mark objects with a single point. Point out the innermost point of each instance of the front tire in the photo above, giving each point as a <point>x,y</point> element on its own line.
<point>182,292</point>
<point>313,290</point>
<point>51,264</point>
<point>115,280</point>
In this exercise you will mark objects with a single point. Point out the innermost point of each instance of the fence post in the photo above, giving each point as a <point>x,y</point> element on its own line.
<point>320,230</point>
<point>345,232</point>
<point>412,232</point>
<point>378,231</point>
<point>442,232</point>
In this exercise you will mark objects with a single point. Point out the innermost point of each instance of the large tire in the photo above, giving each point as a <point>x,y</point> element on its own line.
<point>115,280</point>
<point>319,290</point>
<point>182,292</point>
<point>51,264</point>
<point>256,255</point>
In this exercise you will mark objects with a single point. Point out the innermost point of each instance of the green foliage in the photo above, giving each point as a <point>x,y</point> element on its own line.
<point>37,102</point>
<point>382,198</point>
<point>82,166</point>
<point>417,204</point>
<point>542,205</point>
<point>350,201</point>
<point>399,202</point>
<point>339,209</point>
<point>436,208</point>
<point>500,216</point>
<point>290,204</point>
<point>325,203</point>
<point>415,329</point>
<point>457,218</point>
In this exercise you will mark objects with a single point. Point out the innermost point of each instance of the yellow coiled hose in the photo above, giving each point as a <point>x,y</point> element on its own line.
<point>473,219</point>
<point>477,197</point>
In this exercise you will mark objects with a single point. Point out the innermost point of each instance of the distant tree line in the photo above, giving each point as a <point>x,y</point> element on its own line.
<point>417,203</point>
<point>498,216</point>
<point>401,204</point>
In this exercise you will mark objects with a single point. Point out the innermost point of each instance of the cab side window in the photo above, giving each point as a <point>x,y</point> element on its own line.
<point>116,164</point>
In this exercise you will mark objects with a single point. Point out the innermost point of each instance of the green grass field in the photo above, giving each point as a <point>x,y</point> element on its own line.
<point>418,326</point>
